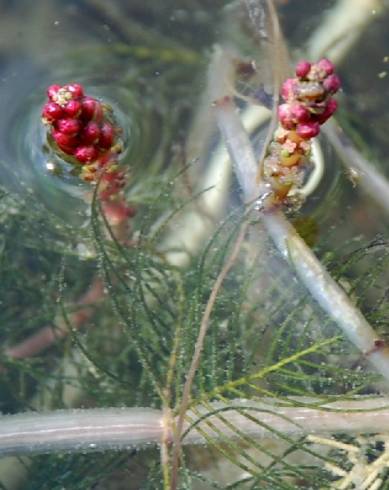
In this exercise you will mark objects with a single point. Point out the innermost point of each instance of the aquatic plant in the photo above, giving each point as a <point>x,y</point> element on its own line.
<point>86,135</point>
<point>232,343</point>
<point>308,103</point>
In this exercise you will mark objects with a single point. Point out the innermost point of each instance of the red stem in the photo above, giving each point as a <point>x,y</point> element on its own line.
<point>46,336</point>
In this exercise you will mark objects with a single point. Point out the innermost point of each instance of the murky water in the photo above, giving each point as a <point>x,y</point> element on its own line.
<point>149,60</point>
<point>121,59</point>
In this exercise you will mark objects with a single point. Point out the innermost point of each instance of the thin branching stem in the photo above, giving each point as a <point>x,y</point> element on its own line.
<point>198,351</point>
<point>278,54</point>
<point>46,336</point>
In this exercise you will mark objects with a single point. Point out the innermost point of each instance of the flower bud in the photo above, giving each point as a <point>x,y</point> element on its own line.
<point>52,91</point>
<point>75,89</point>
<point>66,142</point>
<point>89,106</point>
<point>308,130</point>
<point>288,89</point>
<point>73,108</point>
<point>52,112</point>
<point>329,109</point>
<point>300,113</point>
<point>303,68</point>
<point>285,116</point>
<point>91,133</point>
<point>69,126</point>
<point>332,83</point>
<point>107,136</point>
<point>98,115</point>
<point>86,154</point>
<point>325,66</point>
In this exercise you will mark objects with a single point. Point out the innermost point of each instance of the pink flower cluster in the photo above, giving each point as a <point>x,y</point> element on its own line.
<point>308,104</point>
<point>83,131</point>
<point>308,98</point>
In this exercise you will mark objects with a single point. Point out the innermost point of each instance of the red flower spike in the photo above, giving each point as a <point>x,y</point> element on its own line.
<point>91,133</point>
<point>52,112</point>
<point>69,126</point>
<point>52,91</point>
<point>86,154</point>
<point>73,108</point>
<point>308,104</point>
<point>75,89</point>
<point>303,68</point>
<point>107,136</point>
<point>308,130</point>
<point>81,126</point>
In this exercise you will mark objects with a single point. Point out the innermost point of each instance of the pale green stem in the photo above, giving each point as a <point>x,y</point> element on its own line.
<point>120,429</point>
<point>253,418</point>
<point>367,177</point>
<point>79,430</point>
<point>341,28</point>
<point>311,272</point>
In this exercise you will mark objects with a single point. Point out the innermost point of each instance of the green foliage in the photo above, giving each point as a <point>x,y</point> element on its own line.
<point>266,338</point>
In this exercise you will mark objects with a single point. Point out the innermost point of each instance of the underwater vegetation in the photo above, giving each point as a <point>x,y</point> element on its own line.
<point>194,250</point>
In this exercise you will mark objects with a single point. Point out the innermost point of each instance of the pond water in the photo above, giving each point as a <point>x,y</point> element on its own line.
<point>145,293</point>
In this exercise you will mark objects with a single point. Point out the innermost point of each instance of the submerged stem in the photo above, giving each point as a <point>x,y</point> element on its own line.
<point>120,429</point>
<point>311,272</point>
<point>79,430</point>
<point>370,179</point>
<point>254,418</point>
<point>278,53</point>
<point>198,351</point>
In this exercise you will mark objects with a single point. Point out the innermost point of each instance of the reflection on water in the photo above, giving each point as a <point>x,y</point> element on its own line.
<point>116,52</point>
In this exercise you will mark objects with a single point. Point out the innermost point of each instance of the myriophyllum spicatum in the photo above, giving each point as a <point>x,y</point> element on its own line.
<point>308,103</point>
